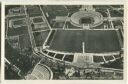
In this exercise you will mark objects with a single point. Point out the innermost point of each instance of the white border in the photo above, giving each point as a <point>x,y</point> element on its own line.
<point>89,2</point>
<point>35,2</point>
<point>2,41</point>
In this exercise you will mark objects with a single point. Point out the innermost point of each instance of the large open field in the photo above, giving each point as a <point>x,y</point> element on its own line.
<point>96,41</point>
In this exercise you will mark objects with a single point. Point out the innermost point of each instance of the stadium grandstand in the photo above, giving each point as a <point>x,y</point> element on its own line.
<point>40,72</point>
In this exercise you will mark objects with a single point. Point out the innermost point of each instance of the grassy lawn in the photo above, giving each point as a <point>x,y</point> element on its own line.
<point>70,41</point>
<point>95,41</point>
<point>101,41</point>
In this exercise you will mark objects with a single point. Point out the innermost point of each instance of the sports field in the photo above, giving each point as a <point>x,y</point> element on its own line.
<point>95,41</point>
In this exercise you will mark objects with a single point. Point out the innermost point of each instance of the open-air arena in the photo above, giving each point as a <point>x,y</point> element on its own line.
<point>64,42</point>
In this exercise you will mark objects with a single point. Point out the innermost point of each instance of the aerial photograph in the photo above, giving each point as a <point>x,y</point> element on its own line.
<point>64,42</point>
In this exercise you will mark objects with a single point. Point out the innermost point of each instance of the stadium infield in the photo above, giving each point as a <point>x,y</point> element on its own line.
<point>95,41</point>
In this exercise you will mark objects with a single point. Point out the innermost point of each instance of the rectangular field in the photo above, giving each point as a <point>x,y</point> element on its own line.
<point>96,41</point>
<point>70,41</point>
